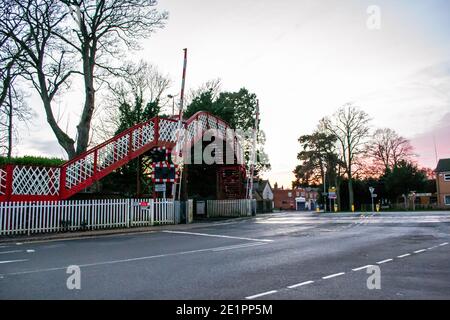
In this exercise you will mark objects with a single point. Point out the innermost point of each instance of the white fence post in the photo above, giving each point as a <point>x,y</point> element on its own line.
<point>128,213</point>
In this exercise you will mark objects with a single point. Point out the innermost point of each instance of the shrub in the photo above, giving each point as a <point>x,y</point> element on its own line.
<point>32,161</point>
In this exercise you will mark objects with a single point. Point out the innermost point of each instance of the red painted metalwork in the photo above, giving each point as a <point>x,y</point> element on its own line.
<point>27,183</point>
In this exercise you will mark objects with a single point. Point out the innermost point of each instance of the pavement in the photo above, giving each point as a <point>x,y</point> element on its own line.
<point>287,255</point>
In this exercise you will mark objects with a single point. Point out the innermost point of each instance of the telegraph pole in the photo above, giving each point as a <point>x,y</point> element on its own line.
<point>253,158</point>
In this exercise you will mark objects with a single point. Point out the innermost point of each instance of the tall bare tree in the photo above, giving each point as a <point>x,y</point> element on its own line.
<point>45,62</point>
<point>64,37</point>
<point>105,29</point>
<point>387,148</point>
<point>139,84</point>
<point>350,125</point>
<point>14,108</point>
<point>12,104</point>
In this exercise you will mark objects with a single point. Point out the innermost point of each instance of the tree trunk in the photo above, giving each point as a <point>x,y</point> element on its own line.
<point>84,125</point>
<point>350,190</point>
<point>338,191</point>
<point>64,140</point>
<point>10,124</point>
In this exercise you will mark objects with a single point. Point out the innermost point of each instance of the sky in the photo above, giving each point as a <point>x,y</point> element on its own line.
<point>304,59</point>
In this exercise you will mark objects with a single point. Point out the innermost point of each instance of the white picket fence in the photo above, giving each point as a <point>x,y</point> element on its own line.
<point>230,208</point>
<point>72,215</point>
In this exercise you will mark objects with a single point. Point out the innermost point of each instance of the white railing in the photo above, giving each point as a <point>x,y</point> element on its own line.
<point>73,215</point>
<point>230,208</point>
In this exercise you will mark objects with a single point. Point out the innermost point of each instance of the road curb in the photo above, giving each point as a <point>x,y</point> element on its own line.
<point>110,232</point>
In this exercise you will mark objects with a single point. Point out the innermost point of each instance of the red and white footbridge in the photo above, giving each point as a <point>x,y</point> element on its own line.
<point>33,183</point>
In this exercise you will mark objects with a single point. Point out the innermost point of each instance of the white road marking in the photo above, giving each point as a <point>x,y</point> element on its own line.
<point>261,294</point>
<point>240,246</point>
<point>11,261</point>
<point>419,251</point>
<point>384,261</point>
<point>443,244</point>
<point>118,261</point>
<point>404,255</point>
<point>30,251</point>
<point>216,236</point>
<point>361,268</point>
<point>12,251</point>
<point>333,275</point>
<point>19,243</point>
<point>300,284</point>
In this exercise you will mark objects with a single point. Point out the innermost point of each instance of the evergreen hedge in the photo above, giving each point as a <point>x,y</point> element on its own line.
<point>32,161</point>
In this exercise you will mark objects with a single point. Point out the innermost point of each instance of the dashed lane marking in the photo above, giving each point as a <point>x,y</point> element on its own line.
<point>421,250</point>
<point>404,255</point>
<point>301,284</point>
<point>333,275</point>
<point>261,294</point>
<point>384,261</point>
<point>363,267</point>
<point>443,244</point>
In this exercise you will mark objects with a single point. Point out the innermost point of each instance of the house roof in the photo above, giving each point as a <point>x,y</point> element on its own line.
<point>262,184</point>
<point>443,165</point>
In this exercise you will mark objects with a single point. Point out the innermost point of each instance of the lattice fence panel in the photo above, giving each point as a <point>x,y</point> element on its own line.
<point>192,130</point>
<point>80,170</point>
<point>2,182</point>
<point>143,135</point>
<point>203,119</point>
<point>212,121</point>
<point>222,128</point>
<point>39,181</point>
<point>113,152</point>
<point>167,130</point>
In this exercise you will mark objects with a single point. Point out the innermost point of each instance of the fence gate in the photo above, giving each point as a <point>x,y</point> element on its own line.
<point>149,212</point>
<point>141,214</point>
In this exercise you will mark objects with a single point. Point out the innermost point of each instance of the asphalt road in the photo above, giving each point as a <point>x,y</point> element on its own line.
<point>278,256</point>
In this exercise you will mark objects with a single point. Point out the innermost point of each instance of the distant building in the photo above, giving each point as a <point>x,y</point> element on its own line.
<point>443,182</point>
<point>299,199</point>
<point>262,190</point>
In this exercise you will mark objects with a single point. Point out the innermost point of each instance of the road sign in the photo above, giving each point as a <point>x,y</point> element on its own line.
<point>374,195</point>
<point>160,187</point>
<point>332,193</point>
<point>371,189</point>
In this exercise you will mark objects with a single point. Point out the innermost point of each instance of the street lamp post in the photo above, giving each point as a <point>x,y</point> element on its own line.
<point>171,96</point>
<point>372,189</point>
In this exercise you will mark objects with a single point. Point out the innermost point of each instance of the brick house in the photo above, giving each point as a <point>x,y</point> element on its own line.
<point>443,182</point>
<point>299,199</point>
<point>283,199</point>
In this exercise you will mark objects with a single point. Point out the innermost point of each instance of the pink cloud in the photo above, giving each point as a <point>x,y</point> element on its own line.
<point>424,143</point>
